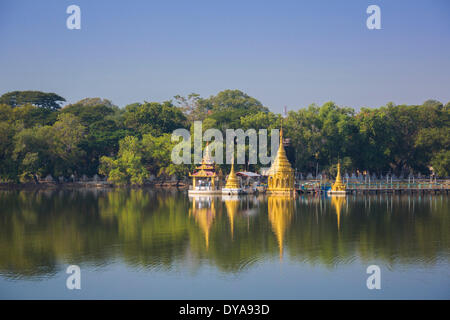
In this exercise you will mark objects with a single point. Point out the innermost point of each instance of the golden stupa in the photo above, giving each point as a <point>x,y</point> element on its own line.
<point>232,185</point>
<point>338,187</point>
<point>281,174</point>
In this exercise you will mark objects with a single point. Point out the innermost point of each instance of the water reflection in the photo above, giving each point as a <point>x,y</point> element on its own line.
<point>338,202</point>
<point>280,210</point>
<point>232,205</point>
<point>204,212</point>
<point>41,230</point>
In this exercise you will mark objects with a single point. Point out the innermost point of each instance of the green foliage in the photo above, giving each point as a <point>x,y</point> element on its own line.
<point>104,123</point>
<point>128,144</point>
<point>37,98</point>
<point>138,158</point>
<point>157,156</point>
<point>261,120</point>
<point>127,168</point>
<point>441,163</point>
<point>228,107</point>
<point>43,150</point>
<point>152,117</point>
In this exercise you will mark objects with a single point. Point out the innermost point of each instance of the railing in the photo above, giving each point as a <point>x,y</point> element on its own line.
<point>399,185</point>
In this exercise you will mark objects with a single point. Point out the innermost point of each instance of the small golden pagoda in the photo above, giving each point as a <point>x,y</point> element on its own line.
<point>205,171</point>
<point>338,187</point>
<point>232,185</point>
<point>281,174</point>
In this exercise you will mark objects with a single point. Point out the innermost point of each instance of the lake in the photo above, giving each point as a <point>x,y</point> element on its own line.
<point>148,244</point>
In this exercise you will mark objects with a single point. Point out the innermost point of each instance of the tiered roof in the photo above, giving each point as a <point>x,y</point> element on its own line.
<point>206,169</point>
<point>281,162</point>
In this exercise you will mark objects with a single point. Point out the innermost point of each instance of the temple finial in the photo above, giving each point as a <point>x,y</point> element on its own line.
<point>281,135</point>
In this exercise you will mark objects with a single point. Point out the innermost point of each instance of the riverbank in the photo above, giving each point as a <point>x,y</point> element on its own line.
<point>88,185</point>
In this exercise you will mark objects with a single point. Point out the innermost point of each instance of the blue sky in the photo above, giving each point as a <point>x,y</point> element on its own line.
<point>284,53</point>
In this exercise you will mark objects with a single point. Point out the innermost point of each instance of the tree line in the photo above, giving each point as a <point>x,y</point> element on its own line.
<point>39,136</point>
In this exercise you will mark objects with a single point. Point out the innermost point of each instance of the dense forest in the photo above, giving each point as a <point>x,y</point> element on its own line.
<point>39,136</point>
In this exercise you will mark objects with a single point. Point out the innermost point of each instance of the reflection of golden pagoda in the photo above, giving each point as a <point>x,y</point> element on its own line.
<point>281,210</point>
<point>337,202</point>
<point>338,187</point>
<point>204,176</point>
<point>204,213</point>
<point>281,174</point>
<point>232,204</point>
<point>232,185</point>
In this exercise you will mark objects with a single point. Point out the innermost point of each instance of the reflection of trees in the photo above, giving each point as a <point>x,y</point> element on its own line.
<point>407,229</point>
<point>39,230</point>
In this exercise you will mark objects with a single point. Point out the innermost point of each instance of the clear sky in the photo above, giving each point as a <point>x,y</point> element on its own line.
<point>289,53</point>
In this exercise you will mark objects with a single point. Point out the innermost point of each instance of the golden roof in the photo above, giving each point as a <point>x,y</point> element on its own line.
<point>338,185</point>
<point>281,162</point>
<point>206,169</point>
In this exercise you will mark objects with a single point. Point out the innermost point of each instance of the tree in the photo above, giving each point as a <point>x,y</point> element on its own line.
<point>228,107</point>
<point>68,133</point>
<point>41,99</point>
<point>261,120</point>
<point>33,151</point>
<point>8,167</point>
<point>127,168</point>
<point>157,153</point>
<point>105,128</point>
<point>191,107</point>
<point>441,163</point>
<point>152,117</point>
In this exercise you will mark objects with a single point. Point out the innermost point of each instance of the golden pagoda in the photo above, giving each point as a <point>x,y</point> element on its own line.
<point>281,174</point>
<point>232,185</point>
<point>338,187</point>
<point>206,175</point>
<point>281,210</point>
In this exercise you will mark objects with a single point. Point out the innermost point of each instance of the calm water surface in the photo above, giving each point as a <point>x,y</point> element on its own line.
<point>162,245</point>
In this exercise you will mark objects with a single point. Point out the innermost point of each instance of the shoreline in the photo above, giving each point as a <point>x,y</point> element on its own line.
<point>87,185</point>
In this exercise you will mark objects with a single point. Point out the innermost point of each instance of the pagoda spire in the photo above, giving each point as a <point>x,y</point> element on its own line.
<point>338,186</point>
<point>281,174</point>
<point>232,180</point>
